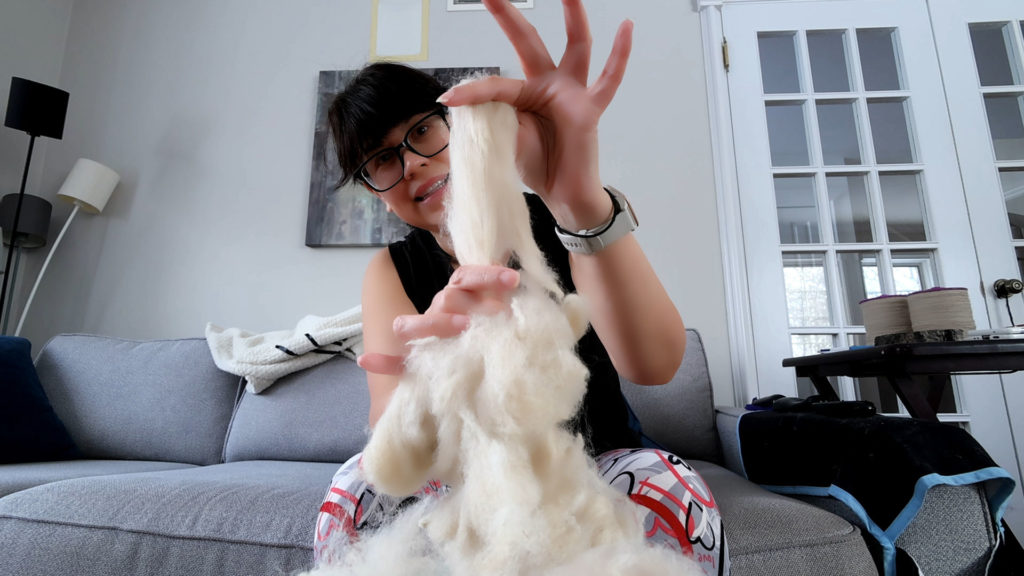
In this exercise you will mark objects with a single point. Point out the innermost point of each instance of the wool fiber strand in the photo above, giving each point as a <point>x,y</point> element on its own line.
<point>484,412</point>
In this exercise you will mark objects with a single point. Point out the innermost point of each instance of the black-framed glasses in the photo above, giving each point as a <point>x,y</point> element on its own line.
<point>427,138</point>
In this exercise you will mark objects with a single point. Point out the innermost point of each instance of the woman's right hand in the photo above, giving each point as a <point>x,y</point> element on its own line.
<point>471,290</point>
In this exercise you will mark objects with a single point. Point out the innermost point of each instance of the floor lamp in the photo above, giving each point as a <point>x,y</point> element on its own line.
<point>32,229</point>
<point>38,110</point>
<point>88,186</point>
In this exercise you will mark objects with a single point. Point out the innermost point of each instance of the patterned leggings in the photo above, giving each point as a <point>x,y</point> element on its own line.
<point>679,510</point>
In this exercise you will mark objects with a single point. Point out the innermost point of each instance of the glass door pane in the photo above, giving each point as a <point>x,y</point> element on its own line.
<point>1006,124</point>
<point>994,54</point>
<point>807,294</point>
<point>787,133</point>
<point>860,281</point>
<point>850,207</point>
<point>779,71</point>
<point>840,139</point>
<point>830,71</point>
<point>912,271</point>
<point>1012,183</point>
<point>903,202</point>
<point>890,131</point>
<point>796,206</point>
<point>879,62</point>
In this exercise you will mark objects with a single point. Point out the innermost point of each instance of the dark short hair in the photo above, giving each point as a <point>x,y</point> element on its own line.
<point>381,96</point>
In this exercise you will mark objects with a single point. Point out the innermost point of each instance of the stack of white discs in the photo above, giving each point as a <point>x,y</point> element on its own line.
<point>886,315</point>
<point>941,309</point>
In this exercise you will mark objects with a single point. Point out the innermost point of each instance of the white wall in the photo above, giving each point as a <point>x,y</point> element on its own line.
<point>206,110</point>
<point>32,36</point>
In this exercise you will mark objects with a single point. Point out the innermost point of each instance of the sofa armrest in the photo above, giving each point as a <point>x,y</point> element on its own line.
<point>727,422</point>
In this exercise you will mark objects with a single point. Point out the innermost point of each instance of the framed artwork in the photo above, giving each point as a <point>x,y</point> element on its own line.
<point>399,30</point>
<point>350,215</point>
<point>455,5</point>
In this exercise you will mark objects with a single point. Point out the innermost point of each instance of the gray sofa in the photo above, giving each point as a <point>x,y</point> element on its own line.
<point>184,472</point>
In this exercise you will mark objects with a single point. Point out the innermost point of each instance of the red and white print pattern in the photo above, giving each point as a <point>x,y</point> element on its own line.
<point>680,511</point>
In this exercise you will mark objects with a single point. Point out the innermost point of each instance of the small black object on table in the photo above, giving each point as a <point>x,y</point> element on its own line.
<point>899,363</point>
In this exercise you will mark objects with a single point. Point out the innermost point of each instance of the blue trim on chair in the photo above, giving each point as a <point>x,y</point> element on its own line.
<point>998,500</point>
<point>999,489</point>
<point>888,545</point>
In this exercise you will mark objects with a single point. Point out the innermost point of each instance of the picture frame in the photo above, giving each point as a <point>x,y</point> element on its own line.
<point>399,30</point>
<point>351,215</point>
<point>459,5</point>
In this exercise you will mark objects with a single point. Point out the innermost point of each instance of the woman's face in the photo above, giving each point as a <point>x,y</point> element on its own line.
<point>418,198</point>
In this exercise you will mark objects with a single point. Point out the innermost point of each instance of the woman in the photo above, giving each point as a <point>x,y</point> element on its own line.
<point>391,134</point>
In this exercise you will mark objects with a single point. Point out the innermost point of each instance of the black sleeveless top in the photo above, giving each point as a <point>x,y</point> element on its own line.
<point>604,418</point>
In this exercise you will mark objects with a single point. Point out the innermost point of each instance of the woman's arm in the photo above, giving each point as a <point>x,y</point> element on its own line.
<point>630,311</point>
<point>384,299</point>
<point>558,157</point>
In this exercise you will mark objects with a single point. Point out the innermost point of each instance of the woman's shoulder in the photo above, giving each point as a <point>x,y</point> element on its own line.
<point>381,267</point>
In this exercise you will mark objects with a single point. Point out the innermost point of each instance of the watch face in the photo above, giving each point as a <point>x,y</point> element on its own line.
<point>612,231</point>
<point>623,206</point>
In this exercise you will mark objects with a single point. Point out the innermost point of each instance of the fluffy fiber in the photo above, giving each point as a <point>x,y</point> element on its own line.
<point>484,412</point>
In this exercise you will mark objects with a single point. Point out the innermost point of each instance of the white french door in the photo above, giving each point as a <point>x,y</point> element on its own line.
<point>980,46</point>
<point>850,182</point>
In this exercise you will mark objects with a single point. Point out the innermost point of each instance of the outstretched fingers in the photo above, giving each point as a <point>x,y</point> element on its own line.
<point>576,60</point>
<point>608,83</point>
<point>471,290</point>
<point>533,55</point>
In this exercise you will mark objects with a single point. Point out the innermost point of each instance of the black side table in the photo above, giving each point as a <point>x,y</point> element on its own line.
<point>899,363</point>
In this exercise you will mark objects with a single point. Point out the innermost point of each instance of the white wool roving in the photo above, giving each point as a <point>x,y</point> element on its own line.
<point>483,412</point>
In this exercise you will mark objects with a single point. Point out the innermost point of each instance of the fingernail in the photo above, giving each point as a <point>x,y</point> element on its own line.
<point>509,278</point>
<point>443,98</point>
<point>359,360</point>
<point>460,321</point>
<point>396,326</point>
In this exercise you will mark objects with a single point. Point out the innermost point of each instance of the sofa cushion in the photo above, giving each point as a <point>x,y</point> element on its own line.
<point>772,534</point>
<point>229,519</point>
<point>680,415</point>
<point>159,400</point>
<point>30,431</point>
<point>317,414</point>
<point>16,477</point>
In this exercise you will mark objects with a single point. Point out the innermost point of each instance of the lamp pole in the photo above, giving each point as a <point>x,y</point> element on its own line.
<point>14,227</point>
<point>37,110</point>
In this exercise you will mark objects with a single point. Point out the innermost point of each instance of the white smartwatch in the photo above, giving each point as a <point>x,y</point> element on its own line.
<point>622,222</point>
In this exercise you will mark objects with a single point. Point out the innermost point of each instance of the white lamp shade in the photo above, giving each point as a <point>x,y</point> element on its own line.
<point>89,184</point>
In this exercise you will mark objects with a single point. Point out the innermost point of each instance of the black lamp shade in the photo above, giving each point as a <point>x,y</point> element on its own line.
<point>33,224</point>
<point>36,108</point>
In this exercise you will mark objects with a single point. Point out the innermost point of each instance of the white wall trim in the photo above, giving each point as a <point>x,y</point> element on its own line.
<point>730,224</point>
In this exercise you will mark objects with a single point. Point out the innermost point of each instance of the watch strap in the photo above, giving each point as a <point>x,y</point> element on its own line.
<point>622,222</point>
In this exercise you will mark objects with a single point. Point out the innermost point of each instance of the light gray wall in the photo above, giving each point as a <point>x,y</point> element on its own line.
<point>32,36</point>
<point>206,110</point>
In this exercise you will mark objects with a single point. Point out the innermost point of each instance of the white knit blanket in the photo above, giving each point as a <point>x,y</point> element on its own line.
<point>263,358</point>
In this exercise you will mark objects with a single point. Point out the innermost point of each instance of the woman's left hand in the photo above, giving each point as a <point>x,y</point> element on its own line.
<point>558,111</point>
<point>472,290</point>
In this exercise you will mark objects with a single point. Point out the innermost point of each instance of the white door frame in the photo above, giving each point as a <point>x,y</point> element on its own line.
<point>739,299</point>
<point>730,225</point>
